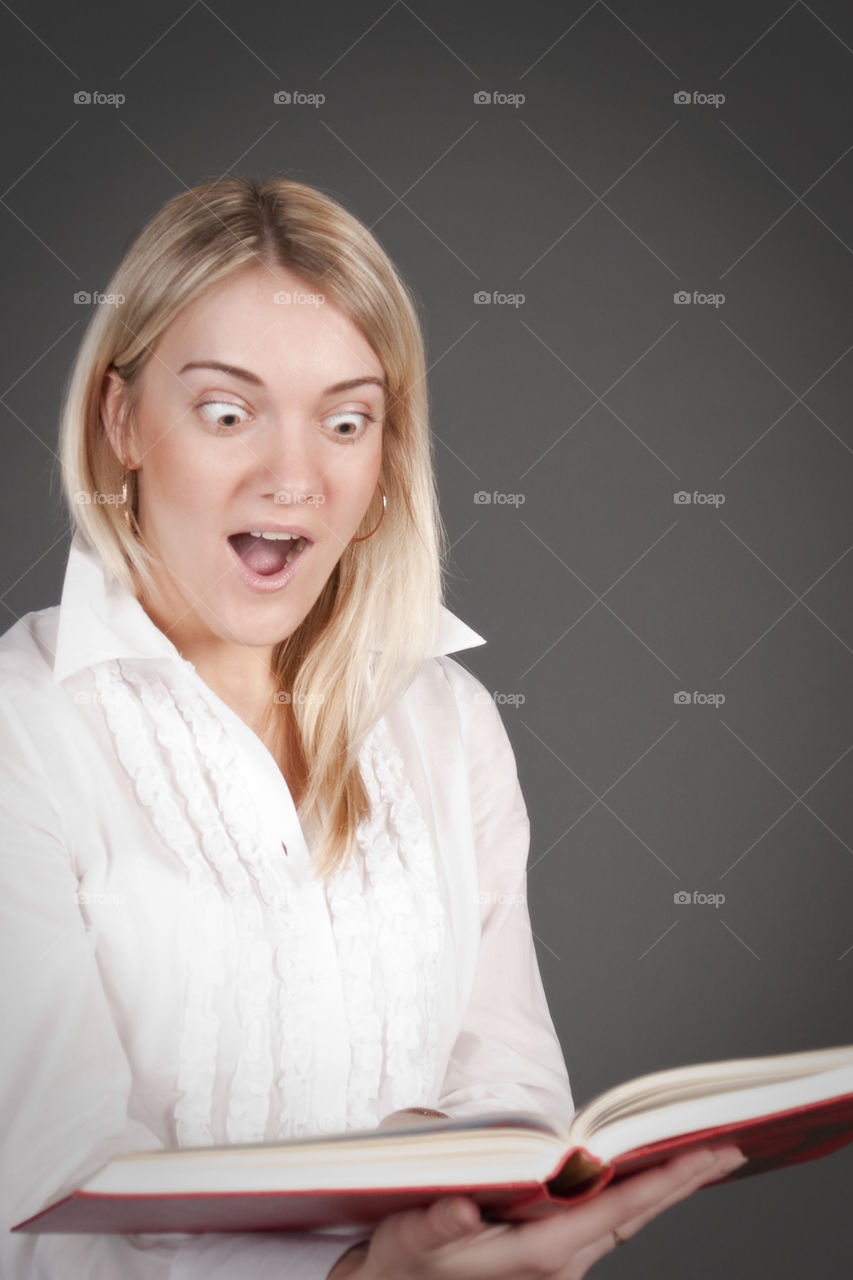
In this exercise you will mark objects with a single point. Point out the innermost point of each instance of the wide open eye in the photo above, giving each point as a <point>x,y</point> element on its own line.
<point>347,417</point>
<point>215,410</point>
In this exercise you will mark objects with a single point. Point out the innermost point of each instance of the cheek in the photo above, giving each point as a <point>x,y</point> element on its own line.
<point>183,474</point>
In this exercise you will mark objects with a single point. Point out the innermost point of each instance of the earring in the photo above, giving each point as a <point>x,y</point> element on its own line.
<point>128,516</point>
<point>364,536</point>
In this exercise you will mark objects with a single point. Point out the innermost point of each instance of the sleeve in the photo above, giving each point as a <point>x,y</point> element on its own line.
<point>66,1079</point>
<point>507,1055</point>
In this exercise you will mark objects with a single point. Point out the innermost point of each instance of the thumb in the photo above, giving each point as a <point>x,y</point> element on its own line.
<point>406,1237</point>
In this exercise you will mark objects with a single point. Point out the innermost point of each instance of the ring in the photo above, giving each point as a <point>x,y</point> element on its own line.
<point>618,1238</point>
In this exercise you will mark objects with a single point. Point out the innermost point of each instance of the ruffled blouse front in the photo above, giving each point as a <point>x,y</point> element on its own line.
<point>182,976</point>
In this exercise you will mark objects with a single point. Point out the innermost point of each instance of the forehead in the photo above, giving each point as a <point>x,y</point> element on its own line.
<point>274,323</point>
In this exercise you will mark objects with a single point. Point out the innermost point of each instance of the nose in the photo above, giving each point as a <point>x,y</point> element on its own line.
<point>290,463</point>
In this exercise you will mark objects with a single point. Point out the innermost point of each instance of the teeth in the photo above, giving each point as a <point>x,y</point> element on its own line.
<point>274,537</point>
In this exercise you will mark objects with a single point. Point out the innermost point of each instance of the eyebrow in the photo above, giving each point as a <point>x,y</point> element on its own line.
<point>236,372</point>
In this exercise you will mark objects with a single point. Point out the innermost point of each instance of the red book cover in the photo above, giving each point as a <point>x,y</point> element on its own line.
<point>770,1142</point>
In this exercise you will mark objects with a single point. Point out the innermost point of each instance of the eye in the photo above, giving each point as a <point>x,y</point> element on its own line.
<point>224,409</point>
<point>347,417</point>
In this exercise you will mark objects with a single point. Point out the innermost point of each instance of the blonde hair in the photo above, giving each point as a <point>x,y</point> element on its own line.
<point>384,593</point>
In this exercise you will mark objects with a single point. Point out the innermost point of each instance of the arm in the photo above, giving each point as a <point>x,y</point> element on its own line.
<point>66,1078</point>
<point>507,1055</point>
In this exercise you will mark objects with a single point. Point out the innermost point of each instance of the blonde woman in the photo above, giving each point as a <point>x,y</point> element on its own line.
<point>263,843</point>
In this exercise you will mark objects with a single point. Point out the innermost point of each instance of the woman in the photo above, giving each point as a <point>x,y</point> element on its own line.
<point>262,836</point>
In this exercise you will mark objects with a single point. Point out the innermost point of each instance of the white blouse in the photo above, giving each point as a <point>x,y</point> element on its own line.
<point>172,973</point>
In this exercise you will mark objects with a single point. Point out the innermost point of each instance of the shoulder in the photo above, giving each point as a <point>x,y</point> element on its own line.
<point>29,695</point>
<point>450,697</point>
<point>27,649</point>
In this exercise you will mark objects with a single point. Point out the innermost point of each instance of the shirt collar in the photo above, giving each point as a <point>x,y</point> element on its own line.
<point>99,619</point>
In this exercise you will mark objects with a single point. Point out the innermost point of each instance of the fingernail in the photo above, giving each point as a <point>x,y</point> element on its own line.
<point>733,1161</point>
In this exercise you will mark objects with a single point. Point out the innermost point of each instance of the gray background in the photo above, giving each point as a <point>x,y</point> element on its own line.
<point>596,399</point>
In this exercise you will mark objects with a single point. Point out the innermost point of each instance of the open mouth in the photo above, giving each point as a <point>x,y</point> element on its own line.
<point>267,554</point>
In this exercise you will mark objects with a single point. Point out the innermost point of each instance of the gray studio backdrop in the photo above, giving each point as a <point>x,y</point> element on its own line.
<point>629,230</point>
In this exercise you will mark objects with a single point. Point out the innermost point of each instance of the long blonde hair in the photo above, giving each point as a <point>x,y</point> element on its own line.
<point>384,593</point>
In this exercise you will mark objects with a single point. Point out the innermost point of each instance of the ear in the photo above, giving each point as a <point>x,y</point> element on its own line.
<point>115,416</point>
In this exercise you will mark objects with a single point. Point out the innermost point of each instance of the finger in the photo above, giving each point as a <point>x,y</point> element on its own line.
<point>728,1158</point>
<point>725,1160</point>
<point>406,1236</point>
<point>590,1225</point>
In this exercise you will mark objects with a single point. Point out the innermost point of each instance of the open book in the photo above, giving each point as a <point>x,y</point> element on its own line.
<point>781,1109</point>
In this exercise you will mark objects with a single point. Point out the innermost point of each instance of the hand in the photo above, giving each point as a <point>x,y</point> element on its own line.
<point>411,1118</point>
<point>448,1241</point>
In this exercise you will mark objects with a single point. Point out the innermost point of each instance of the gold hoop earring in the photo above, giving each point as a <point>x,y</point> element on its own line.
<point>129,518</point>
<point>365,536</point>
